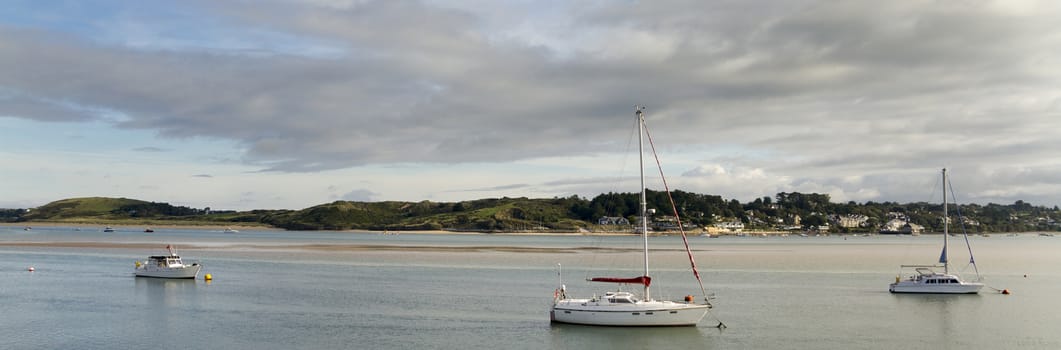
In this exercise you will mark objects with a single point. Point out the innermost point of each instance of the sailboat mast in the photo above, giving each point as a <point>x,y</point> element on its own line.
<point>644,201</point>
<point>946,224</point>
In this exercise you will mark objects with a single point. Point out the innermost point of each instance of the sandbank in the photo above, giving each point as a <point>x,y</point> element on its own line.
<point>330,247</point>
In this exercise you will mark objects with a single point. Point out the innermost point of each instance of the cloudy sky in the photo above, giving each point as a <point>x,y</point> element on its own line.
<point>287,104</point>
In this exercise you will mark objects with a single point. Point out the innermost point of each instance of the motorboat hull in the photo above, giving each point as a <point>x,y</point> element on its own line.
<point>187,272</point>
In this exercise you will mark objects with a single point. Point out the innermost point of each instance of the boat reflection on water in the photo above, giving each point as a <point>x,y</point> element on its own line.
<point>573,336</point>
<point>167,292</point>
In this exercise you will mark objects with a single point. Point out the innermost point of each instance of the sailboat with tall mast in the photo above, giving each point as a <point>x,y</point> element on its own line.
<point>622,308</point>
<point>928,280</point>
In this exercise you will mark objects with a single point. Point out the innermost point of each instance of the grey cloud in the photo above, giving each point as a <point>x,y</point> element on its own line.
<point>826,89</point>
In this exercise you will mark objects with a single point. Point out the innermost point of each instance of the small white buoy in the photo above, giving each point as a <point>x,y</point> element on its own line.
<point>31,269</point>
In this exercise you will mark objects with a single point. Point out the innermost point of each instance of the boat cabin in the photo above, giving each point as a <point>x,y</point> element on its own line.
<point>165,261</point>
<point>926,275</point>
<point>941,280</point>
<point>620,298</point>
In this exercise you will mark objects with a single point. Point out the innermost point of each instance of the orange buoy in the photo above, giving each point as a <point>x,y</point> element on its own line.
<point>1005,291</point>
<point>688,298</point>
<point>31,269</point>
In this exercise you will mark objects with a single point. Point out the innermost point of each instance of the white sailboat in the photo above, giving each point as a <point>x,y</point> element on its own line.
<point>619,308</point>
<point>928,280</point>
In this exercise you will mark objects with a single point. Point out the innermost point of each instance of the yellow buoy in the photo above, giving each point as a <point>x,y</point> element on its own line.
<point>208,277</point>
<point>138,264</point>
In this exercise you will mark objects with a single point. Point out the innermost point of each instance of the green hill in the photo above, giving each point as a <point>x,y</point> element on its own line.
<point>89,207</point>
<point>505,214</point>
<point>568,214</point>
<point>102,210</point>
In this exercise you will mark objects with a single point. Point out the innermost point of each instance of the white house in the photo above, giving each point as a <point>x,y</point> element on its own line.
<point>731,226</point>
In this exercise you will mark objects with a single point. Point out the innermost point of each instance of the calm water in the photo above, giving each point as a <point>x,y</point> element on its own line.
<point>268,293</point>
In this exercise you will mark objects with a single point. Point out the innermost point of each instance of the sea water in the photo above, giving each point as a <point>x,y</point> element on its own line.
<point>329,290</point>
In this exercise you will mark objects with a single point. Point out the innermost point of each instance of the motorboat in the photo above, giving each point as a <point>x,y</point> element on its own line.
<point>167,266</point>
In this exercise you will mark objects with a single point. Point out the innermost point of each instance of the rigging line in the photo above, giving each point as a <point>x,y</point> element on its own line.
<point>910,242</point>
<point>961,220</point>
<point>677,218</point>
<point>598,242</point>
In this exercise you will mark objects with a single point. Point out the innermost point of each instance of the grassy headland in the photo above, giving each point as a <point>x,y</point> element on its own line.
<point>790,211</point>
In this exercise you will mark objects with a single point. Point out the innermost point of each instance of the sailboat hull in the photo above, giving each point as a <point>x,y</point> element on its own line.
<point>914,287</point>
<point>642,314</point>
<point>927,282</point>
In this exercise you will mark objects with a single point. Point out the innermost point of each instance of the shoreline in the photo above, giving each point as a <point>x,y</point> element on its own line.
<point>127,227</point>
<point>32,224</point>
<point>337,247</point>
<point>140,227</point>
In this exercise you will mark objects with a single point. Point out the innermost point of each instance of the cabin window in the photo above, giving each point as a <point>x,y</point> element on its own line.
<point>673,312</point>
<point>648,313</point>
<point>636,313</point>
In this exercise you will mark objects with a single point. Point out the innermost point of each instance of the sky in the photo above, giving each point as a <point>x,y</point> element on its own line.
<point>275,104</point>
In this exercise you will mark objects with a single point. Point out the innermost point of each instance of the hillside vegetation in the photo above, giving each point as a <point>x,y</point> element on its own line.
<point>786,211</point>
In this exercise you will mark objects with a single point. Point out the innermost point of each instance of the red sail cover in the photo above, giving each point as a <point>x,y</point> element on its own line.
<point>645,280</point>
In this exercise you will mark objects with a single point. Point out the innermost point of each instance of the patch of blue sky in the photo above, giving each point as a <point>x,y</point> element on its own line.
<point>68,139</point>
<point>164,26</point>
